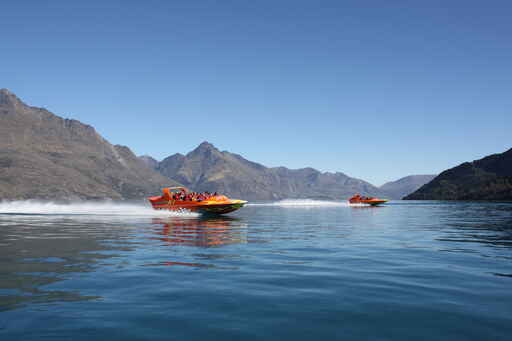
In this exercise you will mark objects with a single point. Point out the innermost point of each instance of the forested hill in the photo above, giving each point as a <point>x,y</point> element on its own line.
<point>489,178</point>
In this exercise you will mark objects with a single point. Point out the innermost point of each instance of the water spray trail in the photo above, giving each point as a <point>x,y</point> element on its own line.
<point>302,203</point>
<point>85,208</point>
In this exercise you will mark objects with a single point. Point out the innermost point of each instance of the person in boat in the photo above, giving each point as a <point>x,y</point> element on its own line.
<point>192,196</point>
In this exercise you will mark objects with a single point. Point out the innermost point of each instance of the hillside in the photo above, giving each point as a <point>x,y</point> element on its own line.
<point>489,178</point>
<point>47,157</point>
<point>405,186</point>
<point>207,168</point>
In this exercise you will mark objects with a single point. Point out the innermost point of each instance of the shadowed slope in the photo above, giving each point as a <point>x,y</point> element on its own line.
<point>489,178</point>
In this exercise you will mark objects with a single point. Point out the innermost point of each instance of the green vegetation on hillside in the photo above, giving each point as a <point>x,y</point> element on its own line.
<point>489,178</point>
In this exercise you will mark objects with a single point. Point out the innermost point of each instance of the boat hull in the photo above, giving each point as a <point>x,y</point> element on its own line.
<point>205,207</point>
<point>219,208</point>
<point>372,202</point>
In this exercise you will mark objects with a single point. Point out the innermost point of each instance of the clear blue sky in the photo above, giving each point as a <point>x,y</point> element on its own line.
<point>375,89</point>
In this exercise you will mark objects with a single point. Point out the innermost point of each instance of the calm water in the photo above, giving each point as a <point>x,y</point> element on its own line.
<point>283,271</point>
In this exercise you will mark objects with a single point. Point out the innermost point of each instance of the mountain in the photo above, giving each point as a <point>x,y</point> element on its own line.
<point>149,161</point>
<point>489,178</point>
<point>47,157</point>
<point>405,186</point>
<point>208,169</point>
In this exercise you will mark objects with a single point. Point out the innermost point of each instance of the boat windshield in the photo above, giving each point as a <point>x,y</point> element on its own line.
<point>168,190</point>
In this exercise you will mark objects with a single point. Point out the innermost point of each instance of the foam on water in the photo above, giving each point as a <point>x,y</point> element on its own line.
<point>85,208</point>
<point>303,203</point>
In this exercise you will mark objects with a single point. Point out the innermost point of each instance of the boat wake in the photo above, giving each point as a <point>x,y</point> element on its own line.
<point>303,203</point>
<point>34,207</point>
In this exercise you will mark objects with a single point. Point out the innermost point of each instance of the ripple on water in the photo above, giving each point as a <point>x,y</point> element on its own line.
<point>319,271</point>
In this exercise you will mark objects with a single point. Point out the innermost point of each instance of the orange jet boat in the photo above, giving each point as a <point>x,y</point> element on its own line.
<point>357,199</point>
<point>179,198</point>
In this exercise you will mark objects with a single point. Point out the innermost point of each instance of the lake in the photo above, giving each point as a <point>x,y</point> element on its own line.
<point>288,270</point>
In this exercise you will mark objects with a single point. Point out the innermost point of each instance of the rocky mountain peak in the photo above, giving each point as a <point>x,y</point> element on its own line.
<point>203,149</point>
<point>205,145</point>
<point>8,98</point>
<point>149,161</point>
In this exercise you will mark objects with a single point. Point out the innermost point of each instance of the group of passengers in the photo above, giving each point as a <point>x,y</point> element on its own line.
<point>193,196</point>
<point>359,197</point>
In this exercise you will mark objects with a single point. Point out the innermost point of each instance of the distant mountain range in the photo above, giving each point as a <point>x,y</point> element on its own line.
<point>404,186</point>
<point>47,157</point>
<point>207,168</point>
<point>489,178</point>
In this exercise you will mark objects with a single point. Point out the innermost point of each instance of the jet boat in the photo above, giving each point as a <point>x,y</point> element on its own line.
<point>357,199</point>
<point>214,204</point>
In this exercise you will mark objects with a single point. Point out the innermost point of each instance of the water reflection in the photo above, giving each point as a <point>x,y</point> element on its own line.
<point>487,225</point>
<point>37,258</point>
<point>366,207</point>
<point>201,232</point>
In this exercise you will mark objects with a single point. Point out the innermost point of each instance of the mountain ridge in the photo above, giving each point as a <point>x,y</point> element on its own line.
<point>45,156</point>
<point>208,168</point>
<point>489,178</point>
<point>404,186</point>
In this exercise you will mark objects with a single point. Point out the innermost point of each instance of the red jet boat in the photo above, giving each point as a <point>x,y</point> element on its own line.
<point>178,198</point>
<point>357,199</point>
